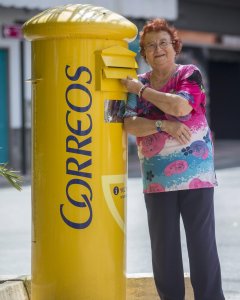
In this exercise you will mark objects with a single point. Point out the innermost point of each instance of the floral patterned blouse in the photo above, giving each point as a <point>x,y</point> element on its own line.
<point>167,165</point>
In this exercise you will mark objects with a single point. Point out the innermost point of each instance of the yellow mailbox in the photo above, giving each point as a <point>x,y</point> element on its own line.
<point>79,53</point>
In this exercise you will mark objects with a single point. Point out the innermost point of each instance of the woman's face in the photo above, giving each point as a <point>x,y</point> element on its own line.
<point>158,48</point>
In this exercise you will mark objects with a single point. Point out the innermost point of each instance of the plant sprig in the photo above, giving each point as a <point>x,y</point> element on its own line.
<point>14,179</point>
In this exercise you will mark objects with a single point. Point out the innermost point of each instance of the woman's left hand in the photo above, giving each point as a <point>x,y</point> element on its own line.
<point>178,130</point>
<point>132,85</point>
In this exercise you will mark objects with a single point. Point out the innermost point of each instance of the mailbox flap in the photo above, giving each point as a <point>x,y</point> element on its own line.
<point>118,56</point>
<point>118,50</point>
<point>118,73</point>
<point>112,64</point>
<point>119,61</point>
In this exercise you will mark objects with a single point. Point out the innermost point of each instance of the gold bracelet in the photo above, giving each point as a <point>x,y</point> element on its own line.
<point>142,89</point>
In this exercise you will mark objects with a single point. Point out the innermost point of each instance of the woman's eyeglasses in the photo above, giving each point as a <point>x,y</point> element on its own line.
<point>153,46</point>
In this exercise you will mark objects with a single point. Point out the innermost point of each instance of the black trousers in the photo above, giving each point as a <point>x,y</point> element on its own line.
<point>197,210</point>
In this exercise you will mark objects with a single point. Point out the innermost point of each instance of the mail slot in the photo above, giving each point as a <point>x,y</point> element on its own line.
<point>112,64</point>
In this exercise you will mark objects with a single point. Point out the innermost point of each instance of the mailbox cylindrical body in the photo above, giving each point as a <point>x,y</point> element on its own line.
<point>79,53</point>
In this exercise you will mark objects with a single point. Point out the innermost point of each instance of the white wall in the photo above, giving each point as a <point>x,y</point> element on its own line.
<point>28,85</point>
<point>135,8</point>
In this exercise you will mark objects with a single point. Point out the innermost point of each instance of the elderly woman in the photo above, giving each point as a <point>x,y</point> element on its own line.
<point>166,112</point>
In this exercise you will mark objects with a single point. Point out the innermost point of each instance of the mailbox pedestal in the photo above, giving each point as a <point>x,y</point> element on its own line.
<point>79,53</point>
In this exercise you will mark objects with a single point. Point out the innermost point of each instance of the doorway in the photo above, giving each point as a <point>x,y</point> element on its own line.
<point>224,80</point>
<point>4,128</point>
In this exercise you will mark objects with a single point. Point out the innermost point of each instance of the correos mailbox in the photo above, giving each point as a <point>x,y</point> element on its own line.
<point>79,53</point>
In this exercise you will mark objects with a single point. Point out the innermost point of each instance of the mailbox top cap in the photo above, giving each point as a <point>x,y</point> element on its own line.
<point>79,20</point>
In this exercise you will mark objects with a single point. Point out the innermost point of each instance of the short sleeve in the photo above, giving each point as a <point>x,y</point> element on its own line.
<point>131,106</point>
<point>190,87</point>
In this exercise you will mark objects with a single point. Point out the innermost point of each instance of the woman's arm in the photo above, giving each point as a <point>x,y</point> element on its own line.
<point>139,126</point>
<point>142,127</point>
<point>168,103</point>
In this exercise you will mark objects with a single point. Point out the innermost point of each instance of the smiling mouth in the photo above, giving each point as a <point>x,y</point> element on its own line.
<point>159,55</point>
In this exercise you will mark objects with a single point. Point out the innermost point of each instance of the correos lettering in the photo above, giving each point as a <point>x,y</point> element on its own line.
<point>78,142</point>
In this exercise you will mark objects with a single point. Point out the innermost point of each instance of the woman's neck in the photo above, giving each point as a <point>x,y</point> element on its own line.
<point>159,77</point>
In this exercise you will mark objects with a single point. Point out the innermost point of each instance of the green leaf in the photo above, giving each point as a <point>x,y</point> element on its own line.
<point>13,178</point>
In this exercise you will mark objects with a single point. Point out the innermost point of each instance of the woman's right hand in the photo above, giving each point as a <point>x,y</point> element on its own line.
<point>178,130</point>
